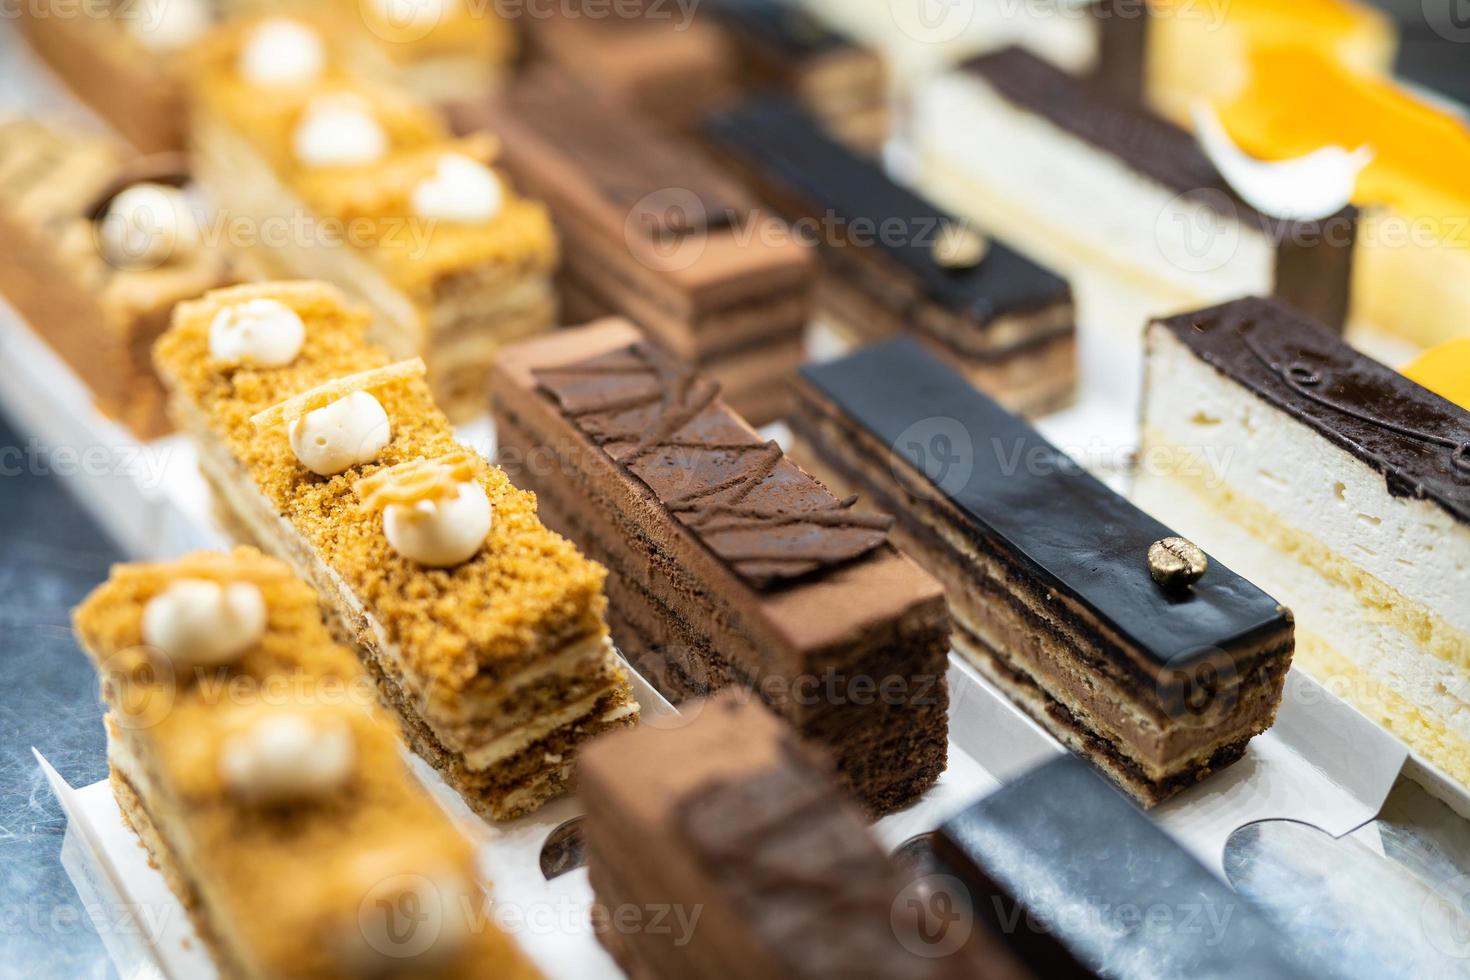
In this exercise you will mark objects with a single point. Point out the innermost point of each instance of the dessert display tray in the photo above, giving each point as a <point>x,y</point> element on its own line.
<point>1322,765</point>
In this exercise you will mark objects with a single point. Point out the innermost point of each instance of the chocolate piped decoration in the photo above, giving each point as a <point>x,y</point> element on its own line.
<point>749,504</point>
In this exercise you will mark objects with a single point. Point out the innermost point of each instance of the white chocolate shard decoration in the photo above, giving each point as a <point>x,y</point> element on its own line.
<point>288,758</point>
<point>258,332</point>
<point>1307,188</point>
<point>148,225</point>
<point>281,51</point>
<point>461,189</point>
<point>337,131</point>
<point>347,433</point>
<point>201,623</point>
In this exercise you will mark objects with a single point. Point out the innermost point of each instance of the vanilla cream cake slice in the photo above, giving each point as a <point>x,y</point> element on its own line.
<point>247,753</point>
<point>328,176</point>
<point>1082,180</point>
<point>1335,482</point>
<point>484,630</point>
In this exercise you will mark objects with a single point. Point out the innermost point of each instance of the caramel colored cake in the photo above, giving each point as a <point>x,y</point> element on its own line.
<point>763,867</point>
<point>248,755</point>
<point>344,180</point>
<point>495,657</point>
<point>1125,642</point>
<point>727,564</point>
<point>95,262</point>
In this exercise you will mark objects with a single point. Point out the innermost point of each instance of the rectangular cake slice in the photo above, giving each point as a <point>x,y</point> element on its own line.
<point>1083,180</point>
<point>489,642</point>
<point>1338,483</point>
<point>248,755</point>
<point>655,232</point>
<point>770,872</point>
<point>342,179</point>
<point>727,564</point>
<point>895,263</point>
<point>95,269</point>
<point>1058,594</point>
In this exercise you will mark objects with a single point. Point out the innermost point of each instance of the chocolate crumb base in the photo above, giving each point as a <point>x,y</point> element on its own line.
<point>1063,725</point>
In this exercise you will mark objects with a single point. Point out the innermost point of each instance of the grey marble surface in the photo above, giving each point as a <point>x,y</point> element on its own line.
<point>51,554</point>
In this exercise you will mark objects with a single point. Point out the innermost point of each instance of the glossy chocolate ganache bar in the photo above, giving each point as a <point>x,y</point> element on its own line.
<point>1124,641</point>
<point>484,630</point>
<point>768,869</point>
<point>895,263</point>
<point>727,564</point>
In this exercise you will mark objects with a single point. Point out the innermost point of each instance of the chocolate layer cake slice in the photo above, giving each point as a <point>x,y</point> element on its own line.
<point>249,756</point>
<point>1084,180</point>
<point>1060,846</point>
<point>653,231</point>
<point>727,564</point>
<point>893,262</point>
<point>1128,645</point>
<point>766,869</point>
<point>1338,483</point>
<point>484,630</point>
<point>100,245</point>
<point>783,47</point>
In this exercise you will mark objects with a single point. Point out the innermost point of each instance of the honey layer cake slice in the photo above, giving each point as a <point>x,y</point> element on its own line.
<point>1133,649</point>
<point>249,755</point>
<point>484,630</point>
<point>727,564</point>
<point>1341,485</point>
<point>765,868</point>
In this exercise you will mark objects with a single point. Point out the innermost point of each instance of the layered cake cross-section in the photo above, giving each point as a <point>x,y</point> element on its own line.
<point>1122,639</point>
<point>248,754</point>
<point>327,176</point>
<point>654,231</point>
<point>728,564</point>
<point>894,263</point>
<point>484,630</point>
<point>766,867</point>
<point>1338,483</point>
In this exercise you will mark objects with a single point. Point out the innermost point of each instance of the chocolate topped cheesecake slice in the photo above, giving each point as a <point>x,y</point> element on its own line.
<point>1083,179</point>
<point>728,564</point>
<point>1123,640</point>
<point>895,263</point>
<point>728,818</point>
<point>1339,483</point>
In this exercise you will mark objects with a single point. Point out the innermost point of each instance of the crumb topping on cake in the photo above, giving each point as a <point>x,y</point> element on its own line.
<point>526,593</point>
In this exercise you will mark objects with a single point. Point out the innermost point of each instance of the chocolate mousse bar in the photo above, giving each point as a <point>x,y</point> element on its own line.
<point>1123,640</point>
<point>764,867</point>
<point>484,630</point>
<point>782,47</point>
<point>653,231</point>
<point>727,564</point>
<point>248,755</point>
<point>1082,179</point>
<point>1342,486</point>
<point>100,245</point>
<point>895,263</point>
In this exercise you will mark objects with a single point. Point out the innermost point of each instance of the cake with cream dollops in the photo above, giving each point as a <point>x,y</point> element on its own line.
<point>484,630</point>
<point>1337,483</point>
<point>248,754</point>
<point>330,177</point>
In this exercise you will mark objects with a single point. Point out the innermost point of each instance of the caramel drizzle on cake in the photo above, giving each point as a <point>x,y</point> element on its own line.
<point>767,519</point>
<point>299,406</point>
<point>416,480</point>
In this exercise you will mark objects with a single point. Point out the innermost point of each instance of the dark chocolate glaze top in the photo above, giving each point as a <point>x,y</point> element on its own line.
<point>798,866</point>
<point>750,505</point>
<point>1079,538</point>
<point>782,27</point>
<point>1075,854</point>
<point>779,139</point>
<point>1148,143</point>
<point>1419,441</point>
